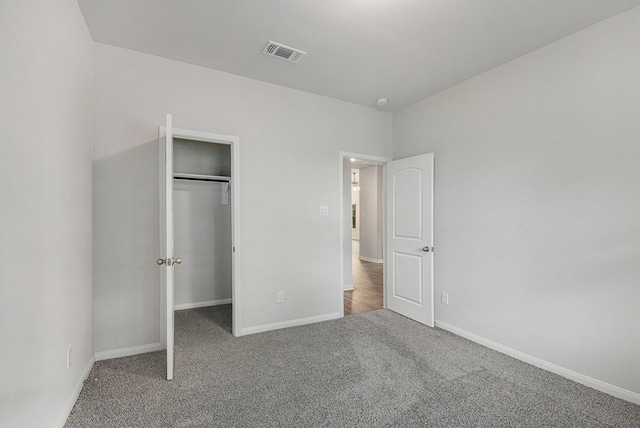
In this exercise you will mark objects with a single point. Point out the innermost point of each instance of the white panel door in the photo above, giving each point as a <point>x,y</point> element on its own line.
<point>409,244</point>
<point>166,238</point>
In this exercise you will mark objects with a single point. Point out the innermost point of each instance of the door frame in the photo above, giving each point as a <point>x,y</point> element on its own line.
<point>381,160</point>
<point>234,185</point>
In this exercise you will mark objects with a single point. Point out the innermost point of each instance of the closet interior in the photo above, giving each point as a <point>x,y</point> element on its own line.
<point>202,223</point>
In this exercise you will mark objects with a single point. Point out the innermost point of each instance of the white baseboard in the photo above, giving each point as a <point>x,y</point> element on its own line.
<point>291,323</point>
<point>599,385</point>
<point>127,352</point>
<point>347,287</point>
<point>182,306</point>
<point>367,259</point>
<point>76,393</point>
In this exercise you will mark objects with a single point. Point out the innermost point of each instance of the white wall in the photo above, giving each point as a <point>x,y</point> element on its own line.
<point>289,144</point>
<point>46,117</point>
<point>202,226</point>
<point>371,213</point>
<point>537,200</point>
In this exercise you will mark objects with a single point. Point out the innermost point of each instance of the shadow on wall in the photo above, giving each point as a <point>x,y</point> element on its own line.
<point>126,244</point>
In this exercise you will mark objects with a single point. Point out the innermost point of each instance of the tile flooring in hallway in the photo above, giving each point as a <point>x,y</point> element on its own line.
<point>366,295</point>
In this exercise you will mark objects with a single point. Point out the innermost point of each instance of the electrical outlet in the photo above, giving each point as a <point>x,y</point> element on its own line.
<point>280,297</point>
<point>69,357</point>
<point>444,298</point>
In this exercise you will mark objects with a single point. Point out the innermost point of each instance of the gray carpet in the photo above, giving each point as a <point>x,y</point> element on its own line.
<point>370,370</point>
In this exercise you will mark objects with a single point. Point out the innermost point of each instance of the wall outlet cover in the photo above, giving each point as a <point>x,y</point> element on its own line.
<point>444,298</point>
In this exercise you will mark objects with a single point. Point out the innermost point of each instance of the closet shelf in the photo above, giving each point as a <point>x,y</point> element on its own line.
<point>201,177</point>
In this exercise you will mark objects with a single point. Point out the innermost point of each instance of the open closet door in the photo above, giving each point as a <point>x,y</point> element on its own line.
<point>167,261</point>
<point>409,250</point>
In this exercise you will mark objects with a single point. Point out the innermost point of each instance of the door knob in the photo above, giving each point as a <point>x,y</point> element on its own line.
<point>426,249</point>
<point>169,261</point>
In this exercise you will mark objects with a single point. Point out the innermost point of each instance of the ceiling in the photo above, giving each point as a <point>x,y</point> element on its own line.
<point>357,50</point>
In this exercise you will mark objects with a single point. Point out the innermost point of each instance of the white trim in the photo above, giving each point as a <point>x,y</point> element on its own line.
<point>599,385</point>
<point>341,157</point>
<point>76,393</point>
<point>127,352</point>
<point>360,156</point>
<point>348,287</point>
<point>291,323</point>
<point>384,235</point>
<point>182,306</point>
<point>367,259</point>
<point>433,228</point>
<point>236,322</point>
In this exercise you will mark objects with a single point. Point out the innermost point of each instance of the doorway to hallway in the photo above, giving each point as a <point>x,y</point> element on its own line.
<point>367,293</point>
<point>361,233</point>
<point>402,239</point>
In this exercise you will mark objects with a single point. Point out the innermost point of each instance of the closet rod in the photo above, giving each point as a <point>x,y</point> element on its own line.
<point>199,177</point>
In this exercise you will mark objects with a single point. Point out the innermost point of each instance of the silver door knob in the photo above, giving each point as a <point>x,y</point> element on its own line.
<point>169,262</point>
<point>426,249</point>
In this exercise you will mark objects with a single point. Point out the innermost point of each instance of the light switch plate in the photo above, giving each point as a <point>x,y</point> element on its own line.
<point>324,210</point>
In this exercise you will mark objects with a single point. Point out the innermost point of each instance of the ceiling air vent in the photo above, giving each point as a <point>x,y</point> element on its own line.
<point>283,52</point>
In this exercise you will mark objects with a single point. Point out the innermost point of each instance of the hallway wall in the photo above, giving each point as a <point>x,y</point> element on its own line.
<point>371,214</point>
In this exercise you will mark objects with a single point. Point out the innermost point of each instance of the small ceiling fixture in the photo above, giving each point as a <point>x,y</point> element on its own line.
<point>354,183</point>
<point>382,101</point>
<point>281,51</point>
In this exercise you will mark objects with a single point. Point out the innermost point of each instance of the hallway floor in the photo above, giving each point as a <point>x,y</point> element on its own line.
<point>367,283</point>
